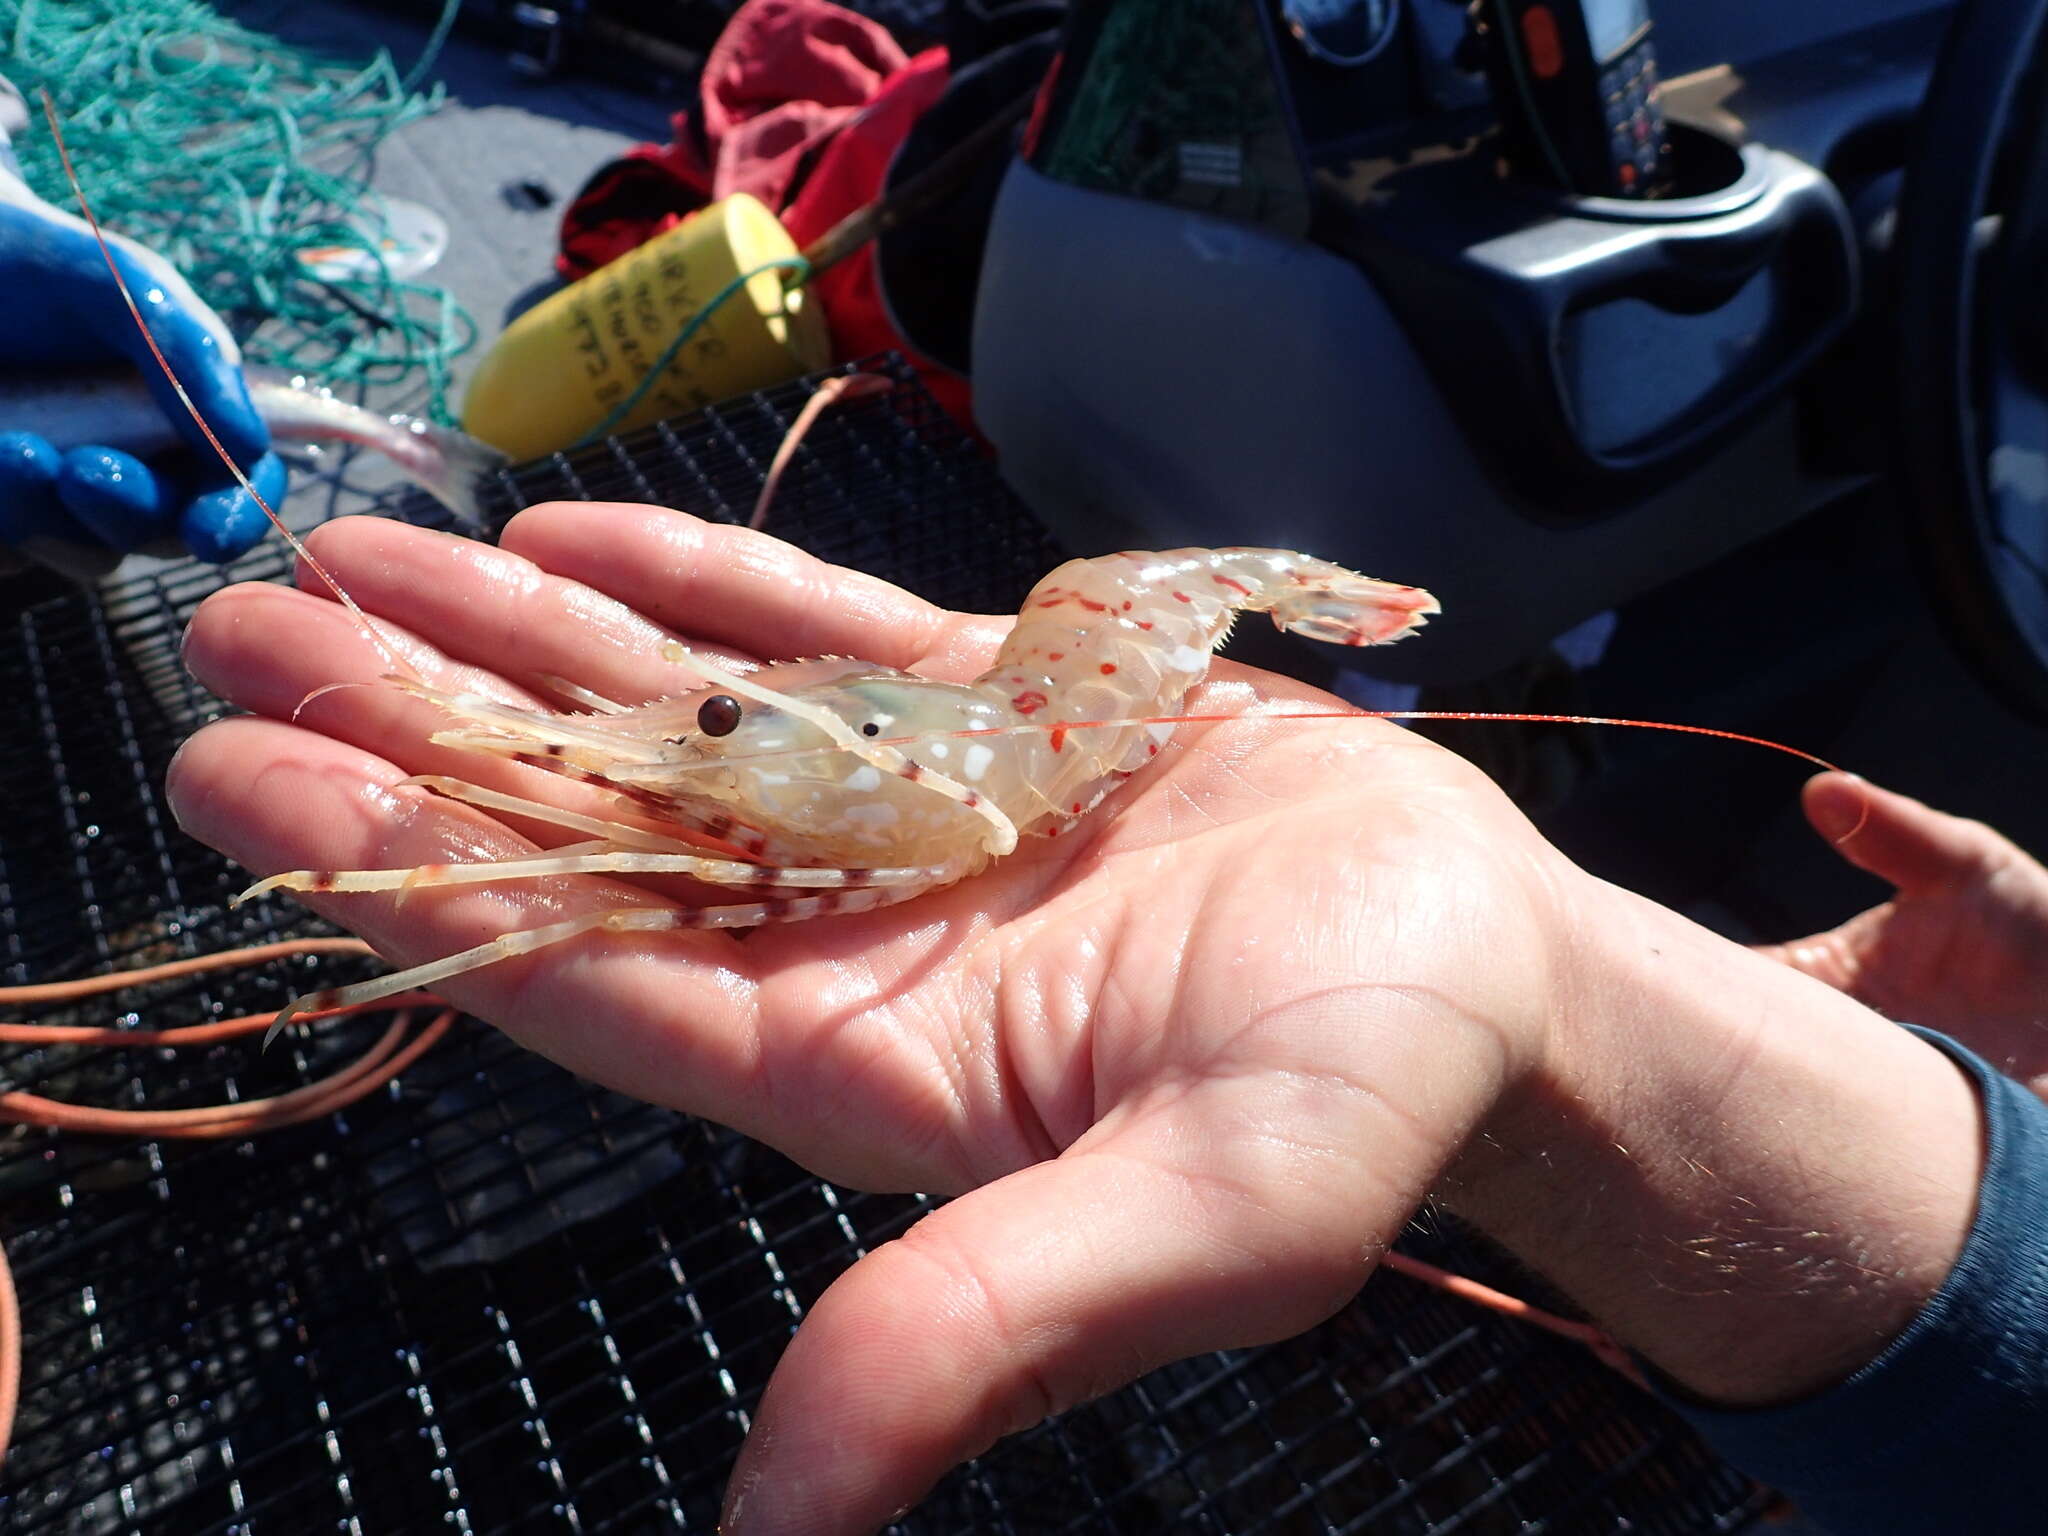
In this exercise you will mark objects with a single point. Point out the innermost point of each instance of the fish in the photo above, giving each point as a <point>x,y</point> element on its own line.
<point>111,408</point>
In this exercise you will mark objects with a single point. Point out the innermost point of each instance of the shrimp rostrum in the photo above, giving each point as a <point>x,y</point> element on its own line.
<point>851,786</point>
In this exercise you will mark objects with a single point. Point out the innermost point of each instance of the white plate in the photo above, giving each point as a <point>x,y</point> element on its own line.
<point>413,240</point>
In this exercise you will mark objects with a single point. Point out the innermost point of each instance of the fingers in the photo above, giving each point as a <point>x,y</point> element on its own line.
<point>126,504</point>
<point>1049,1287</point>
<point>665,1016</point>
<point>1896,837</point>
<point>591,591</point>
<point>198,352</point>
<point>110,498</point>
<point>196,346</point>
<point>221,525</point>
<point>115,495</point>
<point>266,649</point>
<point>28,490</point>
<point>1900,840</point>
<point>497,610</point>
<point>33,517</point>
<point>746,589</point>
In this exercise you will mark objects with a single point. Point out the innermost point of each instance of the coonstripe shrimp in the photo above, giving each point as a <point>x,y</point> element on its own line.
<point>856,786</point>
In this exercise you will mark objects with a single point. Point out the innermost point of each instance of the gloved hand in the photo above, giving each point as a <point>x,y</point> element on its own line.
<point>79,506</point>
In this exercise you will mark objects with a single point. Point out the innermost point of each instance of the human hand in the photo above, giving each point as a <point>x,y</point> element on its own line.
<point>67,496</point>
<point>1189,1067</point>
<point>1962,946</point>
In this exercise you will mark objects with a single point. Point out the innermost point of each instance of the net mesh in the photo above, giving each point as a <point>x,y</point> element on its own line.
<point>495,1298</point>
<point>246,163</point>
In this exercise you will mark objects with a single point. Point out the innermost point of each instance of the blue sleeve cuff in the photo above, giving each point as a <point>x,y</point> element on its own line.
<point>1942,1431</point>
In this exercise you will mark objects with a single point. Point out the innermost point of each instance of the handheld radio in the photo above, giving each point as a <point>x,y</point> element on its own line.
<point>1576,81</point>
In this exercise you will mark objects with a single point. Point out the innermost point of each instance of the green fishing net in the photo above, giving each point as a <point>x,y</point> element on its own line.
<point>1176,101</point>
<point>247,162</point>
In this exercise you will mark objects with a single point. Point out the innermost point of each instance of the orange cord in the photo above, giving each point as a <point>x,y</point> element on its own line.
<point>188,1034</point>
<point>1598,1340</point>
<point>246,1118</point>
<point>227,959</point>
<point>375,1067</point>
<point>850,386</point>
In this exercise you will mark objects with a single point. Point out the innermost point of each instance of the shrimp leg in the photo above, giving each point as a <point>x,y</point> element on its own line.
<point>622,833</point>
<point>607,860</point>
<point>778,909</point>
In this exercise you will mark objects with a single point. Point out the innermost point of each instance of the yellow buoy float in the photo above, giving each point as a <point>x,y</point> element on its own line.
<point>565,366</point>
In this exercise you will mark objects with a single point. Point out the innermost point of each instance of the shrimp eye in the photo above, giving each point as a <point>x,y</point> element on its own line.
<point>871,729</point>
<point>719,715</point>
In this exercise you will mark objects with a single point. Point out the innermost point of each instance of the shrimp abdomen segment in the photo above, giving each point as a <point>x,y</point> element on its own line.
<point>1125,637</point>
<point>1325,602</point>
<point>1188,597</point>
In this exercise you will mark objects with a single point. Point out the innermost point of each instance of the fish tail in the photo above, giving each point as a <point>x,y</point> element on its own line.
<point>461,473</point>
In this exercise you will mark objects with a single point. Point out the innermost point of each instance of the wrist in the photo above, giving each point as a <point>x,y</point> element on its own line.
<point>1740,1172</point>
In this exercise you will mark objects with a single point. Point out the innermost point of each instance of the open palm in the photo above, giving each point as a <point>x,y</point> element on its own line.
<point>1191,1065</point>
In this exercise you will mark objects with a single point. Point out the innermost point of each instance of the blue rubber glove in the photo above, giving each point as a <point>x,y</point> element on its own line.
<point>83,506</point>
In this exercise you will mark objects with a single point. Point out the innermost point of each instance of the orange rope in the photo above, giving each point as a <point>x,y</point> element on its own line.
<point>227,959</point>
<point>1598,1340</point>
<point>380,1064</point>
<point>187,1034</point>
<point>850,386</point>
<point>246,1118</point>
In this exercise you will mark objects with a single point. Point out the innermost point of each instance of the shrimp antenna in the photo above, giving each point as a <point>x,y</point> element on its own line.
<point>1036,727</point>
<point>1048,727</point>
<point>1510,716</point>
<point>121,285</point>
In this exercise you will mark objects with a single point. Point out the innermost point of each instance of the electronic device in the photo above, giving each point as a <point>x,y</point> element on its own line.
<point>1259,254</point>
<point>1576,82</point>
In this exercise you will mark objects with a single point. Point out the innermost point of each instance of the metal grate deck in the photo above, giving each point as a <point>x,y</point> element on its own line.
<point>498,1299</point>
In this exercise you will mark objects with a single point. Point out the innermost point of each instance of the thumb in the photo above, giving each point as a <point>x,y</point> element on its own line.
<point>195,343</point>
<point>1896,837</point>
<point>1048,1287</point>
<point>211,374</point>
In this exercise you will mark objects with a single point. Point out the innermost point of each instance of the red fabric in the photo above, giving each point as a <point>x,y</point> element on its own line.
<point>803,105</point>
<point>783,76</point>
<point>1041,105</point>
<point>625,205</point>
<point>849,174</point>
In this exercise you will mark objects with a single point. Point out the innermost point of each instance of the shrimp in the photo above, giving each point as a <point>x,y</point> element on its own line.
<point>857,786</point>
